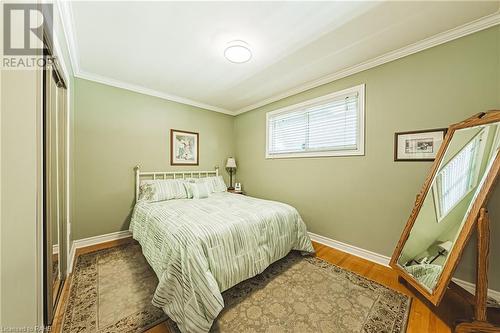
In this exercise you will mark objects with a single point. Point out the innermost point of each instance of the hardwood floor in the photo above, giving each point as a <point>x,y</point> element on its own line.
<point>424,317</point>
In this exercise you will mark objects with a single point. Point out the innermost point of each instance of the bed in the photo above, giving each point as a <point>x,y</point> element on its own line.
<point>427,274</point>
<point>199,248</point>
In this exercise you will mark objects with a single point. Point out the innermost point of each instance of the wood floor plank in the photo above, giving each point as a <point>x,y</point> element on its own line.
<point>61,306</point>
<point>361,267</point>
<point>160,328</point>
<point>419,317</point>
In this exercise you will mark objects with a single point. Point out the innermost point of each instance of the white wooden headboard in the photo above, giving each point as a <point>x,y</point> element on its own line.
<point>139,175</point>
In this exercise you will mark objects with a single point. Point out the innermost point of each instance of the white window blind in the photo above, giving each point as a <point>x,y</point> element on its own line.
<point>458,177</point>
<point>325,127</point>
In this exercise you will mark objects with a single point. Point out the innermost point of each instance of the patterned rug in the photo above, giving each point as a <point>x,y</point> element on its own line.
<point>111,291</point>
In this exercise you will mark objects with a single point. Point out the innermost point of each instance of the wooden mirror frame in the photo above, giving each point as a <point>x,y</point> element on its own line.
<point>455,254</point>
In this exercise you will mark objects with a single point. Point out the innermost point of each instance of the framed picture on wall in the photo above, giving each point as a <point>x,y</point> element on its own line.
<point>418,145</point>
<point>184,147</point>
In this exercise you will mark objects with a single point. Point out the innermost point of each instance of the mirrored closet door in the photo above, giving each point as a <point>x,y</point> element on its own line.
<point>55,187</point>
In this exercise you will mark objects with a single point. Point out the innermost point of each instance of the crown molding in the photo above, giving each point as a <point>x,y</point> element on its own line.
<point>66,17</point>
<point>149,92</point>
<point>66,14</point>
<point>441,38</point>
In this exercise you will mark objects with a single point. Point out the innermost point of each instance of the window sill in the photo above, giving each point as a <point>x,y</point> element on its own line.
<point>318,154</point>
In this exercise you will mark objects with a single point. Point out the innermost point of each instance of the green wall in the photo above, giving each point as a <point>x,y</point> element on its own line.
<point>116,129</point>
<point>365,201</point>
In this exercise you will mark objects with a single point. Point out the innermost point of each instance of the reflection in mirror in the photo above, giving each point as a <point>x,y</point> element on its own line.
<point>460,175</point>
<point>56,272</point>
<point>54,171</point>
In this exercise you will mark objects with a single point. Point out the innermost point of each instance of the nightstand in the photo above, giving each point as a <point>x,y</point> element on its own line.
<point>233,191</point>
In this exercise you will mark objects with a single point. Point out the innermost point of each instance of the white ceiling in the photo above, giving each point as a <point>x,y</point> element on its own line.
<point>175,50</point>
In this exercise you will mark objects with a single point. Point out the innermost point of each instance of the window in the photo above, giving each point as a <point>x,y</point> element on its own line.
<point>331,125</point>
<point>458,177</point>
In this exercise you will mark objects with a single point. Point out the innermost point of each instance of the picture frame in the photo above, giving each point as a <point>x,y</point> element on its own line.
<point>418,146</point>
<point>184,147</point>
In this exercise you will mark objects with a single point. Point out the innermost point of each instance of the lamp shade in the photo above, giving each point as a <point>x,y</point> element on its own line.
<point>446,246</point>
<point>231,163</point>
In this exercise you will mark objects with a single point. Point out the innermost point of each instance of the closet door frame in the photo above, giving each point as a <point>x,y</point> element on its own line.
<point>53,195</point>
<point>63,142</point>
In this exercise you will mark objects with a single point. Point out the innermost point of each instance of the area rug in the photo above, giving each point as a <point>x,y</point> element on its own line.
<point>111,291</point>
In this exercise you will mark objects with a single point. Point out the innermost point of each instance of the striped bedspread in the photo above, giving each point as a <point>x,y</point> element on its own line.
<point>199,248</point>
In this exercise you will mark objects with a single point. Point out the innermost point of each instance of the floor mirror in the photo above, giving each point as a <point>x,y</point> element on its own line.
<point>450,206</point>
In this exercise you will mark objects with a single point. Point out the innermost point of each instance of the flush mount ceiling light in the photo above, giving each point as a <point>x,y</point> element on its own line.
<point>238,52</point>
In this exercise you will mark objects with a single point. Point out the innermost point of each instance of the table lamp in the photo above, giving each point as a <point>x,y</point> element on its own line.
<point>231,168</point>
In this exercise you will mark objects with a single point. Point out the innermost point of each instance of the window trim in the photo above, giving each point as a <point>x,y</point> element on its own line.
<point>360,151</point>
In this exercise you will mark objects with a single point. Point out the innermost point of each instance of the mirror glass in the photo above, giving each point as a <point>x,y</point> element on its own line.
<point>54,198</point>
<point>56,272</point>
<point>461,173</point>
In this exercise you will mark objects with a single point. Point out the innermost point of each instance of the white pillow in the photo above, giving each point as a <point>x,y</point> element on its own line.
<point>199,190</point>
<point>218,184</point>
<point>163,189</point>
<point>189,181</point>
<point>215,184</point>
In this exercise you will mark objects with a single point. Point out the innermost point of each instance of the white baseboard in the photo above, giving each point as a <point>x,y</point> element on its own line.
<point>471,287</point>
<point>351,249</point>
<point>79,243</point>
<point>384,260</point>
